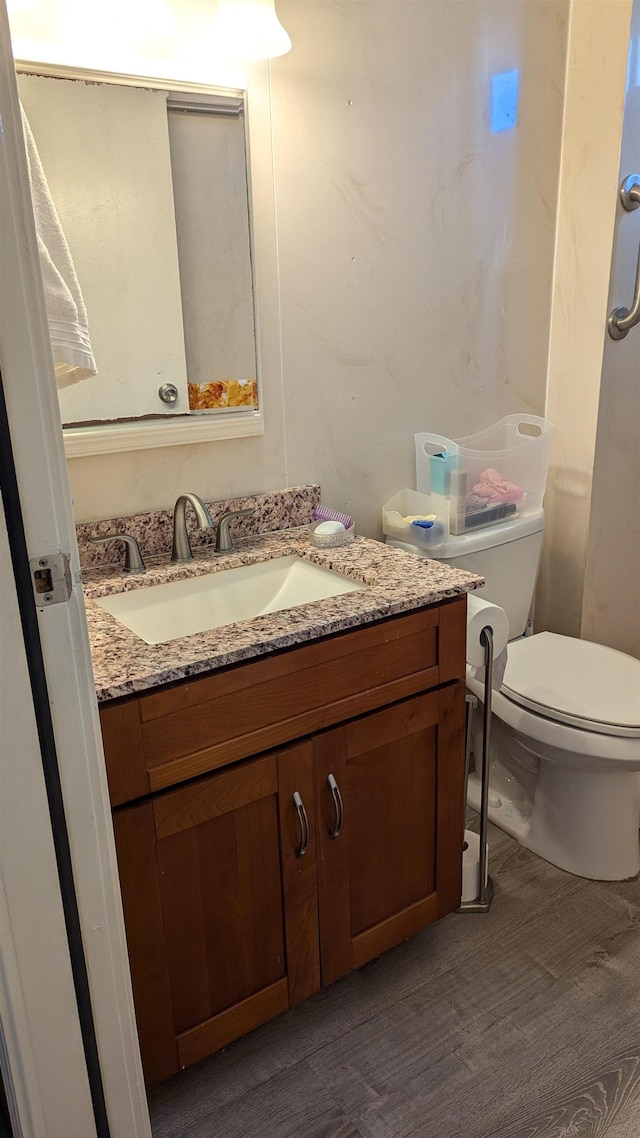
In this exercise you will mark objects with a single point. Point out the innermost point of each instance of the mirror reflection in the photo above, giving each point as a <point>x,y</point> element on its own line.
<point>150,186</point>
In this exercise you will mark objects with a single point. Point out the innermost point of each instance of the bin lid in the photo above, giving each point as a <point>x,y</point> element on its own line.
<point>575,682</point>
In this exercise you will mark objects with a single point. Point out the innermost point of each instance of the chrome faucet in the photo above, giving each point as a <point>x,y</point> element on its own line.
<point>224,543</point>
<point>181,550</point>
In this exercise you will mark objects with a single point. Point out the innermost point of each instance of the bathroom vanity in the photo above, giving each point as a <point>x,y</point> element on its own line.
<point>287,808</point>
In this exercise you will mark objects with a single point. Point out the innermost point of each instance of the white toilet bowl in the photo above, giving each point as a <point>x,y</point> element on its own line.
<point>565,741</point>
<point>565,754</point>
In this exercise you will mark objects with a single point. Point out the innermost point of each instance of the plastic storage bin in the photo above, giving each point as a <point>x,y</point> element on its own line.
<point>490,476</point>
<point>408,503</point>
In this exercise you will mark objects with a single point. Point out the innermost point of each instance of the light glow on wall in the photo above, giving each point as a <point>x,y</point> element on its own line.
<point>504,100</point>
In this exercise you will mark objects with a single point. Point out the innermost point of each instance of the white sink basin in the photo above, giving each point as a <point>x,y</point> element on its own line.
<point>159,613</point>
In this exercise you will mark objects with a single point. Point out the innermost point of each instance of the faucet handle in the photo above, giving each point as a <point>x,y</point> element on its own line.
<point>133,562</point>
<point>224,543</point>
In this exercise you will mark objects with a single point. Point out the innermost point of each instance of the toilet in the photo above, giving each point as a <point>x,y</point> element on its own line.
<point>565,734</point>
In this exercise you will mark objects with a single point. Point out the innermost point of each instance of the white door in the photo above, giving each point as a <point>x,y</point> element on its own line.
<point>48,707</point>
<point>611,607</point>
<point>36,990</point>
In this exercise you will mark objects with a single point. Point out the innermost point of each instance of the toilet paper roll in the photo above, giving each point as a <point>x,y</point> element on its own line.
<point>482,614</point>
<point>471,866</point>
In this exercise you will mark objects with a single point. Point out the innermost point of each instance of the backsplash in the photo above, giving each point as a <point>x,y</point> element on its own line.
<point>274,510</point>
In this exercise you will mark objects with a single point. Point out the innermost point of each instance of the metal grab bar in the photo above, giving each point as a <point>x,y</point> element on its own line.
<point>622,319</point>
<point>485,892</point>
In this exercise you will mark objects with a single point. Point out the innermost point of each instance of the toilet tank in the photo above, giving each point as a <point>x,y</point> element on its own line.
<point>507,555</point>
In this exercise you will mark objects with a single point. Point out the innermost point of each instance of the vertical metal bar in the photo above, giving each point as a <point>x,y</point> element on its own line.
<point>485,885</point>
<point>486,638</point>
<point>470,705</point>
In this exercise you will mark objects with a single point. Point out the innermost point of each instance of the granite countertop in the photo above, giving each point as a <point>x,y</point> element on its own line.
<point>397,582</point>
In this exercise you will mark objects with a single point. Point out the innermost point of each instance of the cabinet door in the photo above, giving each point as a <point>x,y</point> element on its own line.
<point>221,913</point>
<point>392,784</point>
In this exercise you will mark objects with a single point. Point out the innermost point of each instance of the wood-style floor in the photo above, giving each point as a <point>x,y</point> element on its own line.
<point>522,1023</point>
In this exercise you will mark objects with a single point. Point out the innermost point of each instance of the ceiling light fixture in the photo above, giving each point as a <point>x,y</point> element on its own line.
<point>247,30</point>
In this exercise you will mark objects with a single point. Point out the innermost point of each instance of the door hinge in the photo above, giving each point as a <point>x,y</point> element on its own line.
<point>51,579</point>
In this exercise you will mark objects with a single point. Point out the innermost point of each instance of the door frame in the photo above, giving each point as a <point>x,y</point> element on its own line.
<point>31,1035</point>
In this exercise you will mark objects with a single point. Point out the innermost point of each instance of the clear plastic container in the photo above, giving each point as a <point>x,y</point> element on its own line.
<point>490,476</point>
<point>409,503</point>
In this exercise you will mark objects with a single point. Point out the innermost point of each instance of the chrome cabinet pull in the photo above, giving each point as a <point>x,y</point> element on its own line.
<point>304,824</point>
<point>337,801</point>
<point>622,319</point>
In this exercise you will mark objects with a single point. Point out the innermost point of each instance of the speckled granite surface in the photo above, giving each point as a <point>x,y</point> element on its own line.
<point>273,510</point>
<point>396,581</point>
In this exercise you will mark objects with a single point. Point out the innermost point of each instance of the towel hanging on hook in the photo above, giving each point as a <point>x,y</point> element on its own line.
<point>66,313</point>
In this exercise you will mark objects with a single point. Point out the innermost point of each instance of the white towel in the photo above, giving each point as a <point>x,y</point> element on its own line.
<point>66,312</point>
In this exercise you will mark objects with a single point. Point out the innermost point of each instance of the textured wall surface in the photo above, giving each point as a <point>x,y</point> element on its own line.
<point>415,243</point>
<point>415,251</point>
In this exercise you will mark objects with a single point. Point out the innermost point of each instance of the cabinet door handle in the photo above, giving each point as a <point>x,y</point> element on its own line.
<point>337,801</point>
<point>304,824</point>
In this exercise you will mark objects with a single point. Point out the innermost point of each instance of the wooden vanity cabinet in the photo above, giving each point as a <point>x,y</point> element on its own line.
<point>394,867</point>
<point>221,915</point>
<point>247,888</point>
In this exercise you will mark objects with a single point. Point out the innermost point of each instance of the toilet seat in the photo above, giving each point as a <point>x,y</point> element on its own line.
<point>561,742</point>
<point>575,682</point>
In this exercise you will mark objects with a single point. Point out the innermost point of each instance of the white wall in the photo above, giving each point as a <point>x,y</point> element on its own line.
<point>587,204</point>
<point>611,598</point>
<point>415,244</point>
<point>415,252</point>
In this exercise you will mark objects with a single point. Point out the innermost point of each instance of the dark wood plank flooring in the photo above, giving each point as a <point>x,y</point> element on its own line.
<point>522,1023</point>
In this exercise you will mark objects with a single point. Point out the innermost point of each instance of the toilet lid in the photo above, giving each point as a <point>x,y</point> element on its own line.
<point>574,681</point>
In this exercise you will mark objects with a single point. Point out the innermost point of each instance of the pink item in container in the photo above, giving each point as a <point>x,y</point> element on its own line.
<point>493,488</point>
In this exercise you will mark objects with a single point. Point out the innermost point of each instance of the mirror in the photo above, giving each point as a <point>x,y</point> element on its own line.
<point>151,186</point>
